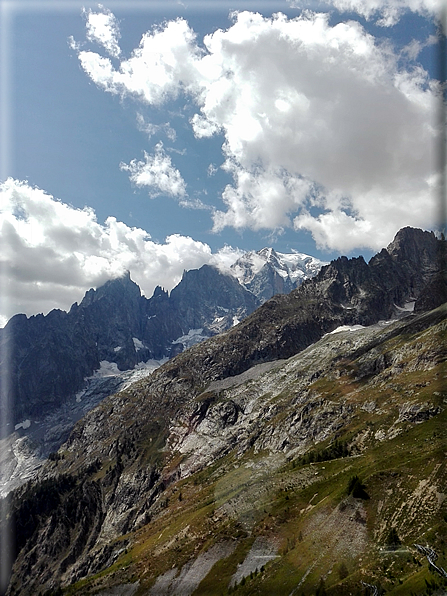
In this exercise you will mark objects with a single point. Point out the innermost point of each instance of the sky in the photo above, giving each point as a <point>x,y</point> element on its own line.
<point>159,136</point>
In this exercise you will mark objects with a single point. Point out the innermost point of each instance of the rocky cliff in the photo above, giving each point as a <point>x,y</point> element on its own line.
<point>46,359</point>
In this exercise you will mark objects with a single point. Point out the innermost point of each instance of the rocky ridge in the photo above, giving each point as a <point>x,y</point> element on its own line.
<point>47,358</point>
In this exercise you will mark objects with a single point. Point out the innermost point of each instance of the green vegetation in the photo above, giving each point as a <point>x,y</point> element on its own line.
<point>356,488</point>
<point>335,450</point>
<point>392,540</point>
<point>348,511</point>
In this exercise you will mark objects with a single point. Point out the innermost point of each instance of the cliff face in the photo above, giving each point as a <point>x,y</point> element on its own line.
<point>47,358</point>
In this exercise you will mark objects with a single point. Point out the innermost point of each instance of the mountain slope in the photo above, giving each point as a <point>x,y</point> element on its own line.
<point>154,482</point>
<point>202,462</point>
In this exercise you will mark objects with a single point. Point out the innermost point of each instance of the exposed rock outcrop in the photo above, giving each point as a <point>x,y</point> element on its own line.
<point>46,359</point>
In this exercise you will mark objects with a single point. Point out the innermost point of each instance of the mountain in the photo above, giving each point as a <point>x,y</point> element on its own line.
<point>60,365</point>
<point>299,452</point>
<point>267,272</point>
<point>47,358</point>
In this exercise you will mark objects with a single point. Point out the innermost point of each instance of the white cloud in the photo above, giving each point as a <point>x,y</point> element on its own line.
<point>212,169</point>
<point>52,253</point>
<point>387,12</point>
<point>165,62</point>
<point>155,129</point>
<point>260,200</point>
<point>156,172</point>
<point>312,116</point>
<point>102,27</point>
<point>415,47</point>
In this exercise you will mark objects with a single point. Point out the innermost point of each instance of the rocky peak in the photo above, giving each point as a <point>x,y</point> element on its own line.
<point>205,294</point>
<point>160,292</point>
<point>268,253</point>
<point>408,264</point>
<point>212,285</point>
<point>418,253</point>
<point>120,288</point>
<point>414,245</point>
<point>344,279</point>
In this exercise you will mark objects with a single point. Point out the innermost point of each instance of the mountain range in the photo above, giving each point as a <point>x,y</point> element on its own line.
<point>298,452</point>
<point>61,365</point>
<point>47,358</point>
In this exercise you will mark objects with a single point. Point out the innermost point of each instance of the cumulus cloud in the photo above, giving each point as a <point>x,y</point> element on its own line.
<point>52,253</point>
<point>323,128</point>
<point>260,200</point>
<point>102,27</point>
<point>165,62</point>
<point>156,172</point>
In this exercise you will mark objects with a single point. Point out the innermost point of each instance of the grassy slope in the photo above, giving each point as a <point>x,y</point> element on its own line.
<point>320,531</point>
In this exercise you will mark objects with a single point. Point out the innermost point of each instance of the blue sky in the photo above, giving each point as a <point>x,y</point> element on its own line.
<point>157,136</point>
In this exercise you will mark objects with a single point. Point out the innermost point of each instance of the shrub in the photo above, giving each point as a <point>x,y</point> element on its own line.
<point>343,571</point>
<point>321,590</point>
<point>356,488</point>
<point>392,540</point>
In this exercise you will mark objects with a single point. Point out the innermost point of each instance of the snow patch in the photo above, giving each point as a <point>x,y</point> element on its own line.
<point>346,328</point>
<point>150,365</point>
<point>407,307</point>
<point>141,371</point>
<point>139,345</point>
<point>194,336</point>
<point>118,348</point>
<point>106,369</point>
<point>25,424</point>
<point>236,321</point>
<point>295,266</point>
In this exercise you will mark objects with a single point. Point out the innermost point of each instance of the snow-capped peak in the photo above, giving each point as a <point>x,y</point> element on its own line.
<point>293,268</point>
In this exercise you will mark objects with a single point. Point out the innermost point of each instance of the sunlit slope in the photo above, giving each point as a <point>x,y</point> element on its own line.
<point>185,486</point>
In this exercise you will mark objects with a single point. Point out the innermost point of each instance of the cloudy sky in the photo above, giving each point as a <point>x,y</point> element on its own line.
<point>159,136</point>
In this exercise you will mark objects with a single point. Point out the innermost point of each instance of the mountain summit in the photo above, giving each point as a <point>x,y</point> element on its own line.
<point>267,272</point>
